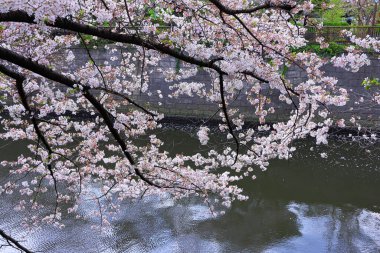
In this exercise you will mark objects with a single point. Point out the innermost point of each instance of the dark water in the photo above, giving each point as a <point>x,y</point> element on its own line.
<point>305,204</point>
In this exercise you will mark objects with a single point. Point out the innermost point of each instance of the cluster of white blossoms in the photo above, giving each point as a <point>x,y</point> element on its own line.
<point>83,126</point>
<point>351,61</point>
<point>367,42</point>
<point>203,135</point>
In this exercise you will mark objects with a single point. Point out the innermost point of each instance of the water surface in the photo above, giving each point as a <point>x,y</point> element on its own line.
<point>305,204</point>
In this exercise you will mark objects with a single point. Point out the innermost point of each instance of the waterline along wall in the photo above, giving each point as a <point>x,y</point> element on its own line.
<point>193,106</point>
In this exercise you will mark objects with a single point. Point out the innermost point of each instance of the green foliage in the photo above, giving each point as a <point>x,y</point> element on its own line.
<point>284,70</point>
<point>72,91</point>
<point>317,4</point>
<point>92,41</point>
<point>152,14</point>
<point>156,15</point>
<point>106,24</point>
<point>333,15</point>
<point>334,49</point>
<point>368,83</point>
<point>177,66</point>
<point>81,13</point>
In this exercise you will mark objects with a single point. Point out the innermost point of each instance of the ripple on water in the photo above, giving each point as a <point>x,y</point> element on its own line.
<point>369,223</point>
<point>189,243</point>
<point>200,213</point>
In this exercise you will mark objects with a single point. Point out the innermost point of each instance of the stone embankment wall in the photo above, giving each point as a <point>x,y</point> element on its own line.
<point>361,100</point>
<point>186,106</point>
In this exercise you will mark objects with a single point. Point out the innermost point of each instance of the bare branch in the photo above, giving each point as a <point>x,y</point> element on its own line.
<point>225,112</point>
<point>13,242</point>
<point>264,6</point>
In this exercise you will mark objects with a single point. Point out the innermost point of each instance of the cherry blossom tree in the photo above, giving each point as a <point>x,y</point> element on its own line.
<point>243,45</point>
<point>365,11</point>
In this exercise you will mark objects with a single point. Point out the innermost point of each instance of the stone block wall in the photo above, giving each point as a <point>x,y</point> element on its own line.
<point>198,107</point>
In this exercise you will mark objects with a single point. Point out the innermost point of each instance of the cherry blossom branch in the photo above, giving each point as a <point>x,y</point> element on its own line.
<point>142,69</point>
<point>68,24</point>
<point>246,28</point>
<point>105,4</point>
<point>23,62</point>
<point>128,99</point>
<point>21,92</point>
<point>252,74</point>
<point>92,60</point>
<point>225,112</point>
<point>64,23</point>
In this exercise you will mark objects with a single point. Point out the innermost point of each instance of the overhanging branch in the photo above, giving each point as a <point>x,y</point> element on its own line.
<point>133,39</point>
<point>264,6</point>
<point>44,71</point>
<point>13,242</point>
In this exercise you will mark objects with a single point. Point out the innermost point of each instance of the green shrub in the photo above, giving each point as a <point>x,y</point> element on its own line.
<point>368,83</point>
<point>334,49</point>
<point>333,15</point>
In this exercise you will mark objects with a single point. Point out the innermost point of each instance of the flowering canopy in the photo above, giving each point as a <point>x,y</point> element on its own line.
<point>241,44</point>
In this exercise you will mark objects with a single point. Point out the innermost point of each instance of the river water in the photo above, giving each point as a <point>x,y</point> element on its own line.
<point>305,204</point>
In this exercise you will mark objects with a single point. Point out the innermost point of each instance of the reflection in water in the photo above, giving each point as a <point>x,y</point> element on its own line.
<point>306,204</point>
